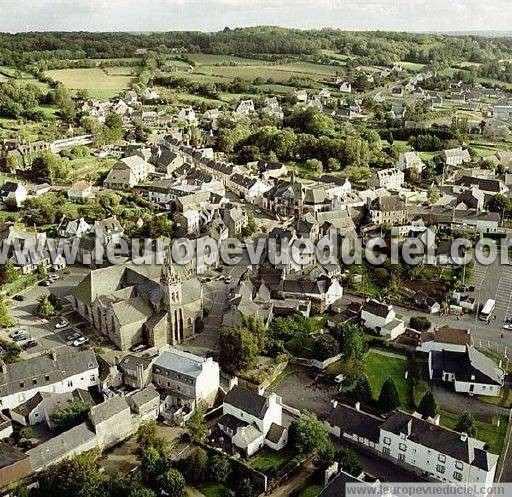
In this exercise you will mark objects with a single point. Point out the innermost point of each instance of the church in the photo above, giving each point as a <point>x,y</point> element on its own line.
<point>132,304</point>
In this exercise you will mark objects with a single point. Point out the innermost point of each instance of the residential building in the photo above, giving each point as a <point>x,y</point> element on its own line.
<point>455,156</point>
<point>13,194</point>
<point>14,465</point>
<point>390,179</point>
<point>80,191</point>
<point>502,113</point>
<point>245,107</point>
<point>252,420</point>
<point>410,161</point>
<point>381,318</point>
<point>421,446</point>
<point>127,172</point>
<point>108,230</point>
<point>187,381</point>
<point>346,87</point>
<point>389,209</point>
<point>322,293</point>
<point>469,371</point>
<point>54,372</point>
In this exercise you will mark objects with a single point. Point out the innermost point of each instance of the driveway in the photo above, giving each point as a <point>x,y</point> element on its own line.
<point>449,401</point>
<point>303,392</point>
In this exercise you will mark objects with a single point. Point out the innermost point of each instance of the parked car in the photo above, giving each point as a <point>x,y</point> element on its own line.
<point>141,347</point>
<point>228,279</point>
<point>71,337</point>
<point>507,327</point>
<point>258,211</point>
<point>61,324</point>
<point>80,341</point>
<point>53,277</point>
<point>19,335</point>
<point>19,298</point>
<point>45,283</point>
<point>29,345</point>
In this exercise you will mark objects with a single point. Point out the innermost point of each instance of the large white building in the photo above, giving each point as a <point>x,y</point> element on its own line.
<point>390,179</point>
<point>252,420</point>
<point>188,380</point>
<point>53,373</point>
<point>468,371</point>
<point>421,446</point>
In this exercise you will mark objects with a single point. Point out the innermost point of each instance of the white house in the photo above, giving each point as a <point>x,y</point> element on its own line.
<point>469,371</point>
<point>322,293</point>
<point>421,446</point>
<point>390,179</point>
<point>80,191</point>
<point>188,380</point>
<point>187,114</point>
<point>455,156</point>
<point>380,317</point>
<point>411,161</point>
<point>245,107</point>
<point>252,420</point>
<point>346,87</point>
<point>251,189</point>
<point>502,113</point>
<point>54,373</point>
<point>150,94</point>
<point>13,194</point>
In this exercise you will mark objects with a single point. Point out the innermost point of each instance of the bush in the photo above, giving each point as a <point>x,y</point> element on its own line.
<point>420,323</point>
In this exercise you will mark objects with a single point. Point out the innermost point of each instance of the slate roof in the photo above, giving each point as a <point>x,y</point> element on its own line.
<point>488,185</point>
<point>443,440</point>
<point>44,370</point>
<point>181,362</point>
<point>144,396</point>
<point>29,405</point>
<point>466,365</point>
<point>318,287</point>
<point>109,408</point>
<point>376,308</point>
<point>250,402</point>
<point>275,433</point>
<point>355,422</point>
<point>10,455</point>
<point>231,422</point>
<point>336,487</point>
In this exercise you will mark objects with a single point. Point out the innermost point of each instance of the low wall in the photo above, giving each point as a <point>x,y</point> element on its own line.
<point>315,363</point>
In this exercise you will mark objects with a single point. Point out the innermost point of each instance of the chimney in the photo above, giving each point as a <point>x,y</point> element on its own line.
<point>437,419</point>
<point>53,354</point>
<point>334,403</point>
<point>140,375</point>
<point>358,406</point>
<point>463,436</point>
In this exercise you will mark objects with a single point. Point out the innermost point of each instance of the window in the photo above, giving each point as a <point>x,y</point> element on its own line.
<point>401,457</point>
<point>47,377</point>
<point>387,440</point>
<point>93,377</point>
<point>386,451</point>
<point>402,447</point>
<point>22,385</point>
<point>457,476</point>
<point>34,381</point>
<point>70,383</point>
<point>459,464</point>
<point>442,458</point>
<point>440,468</point>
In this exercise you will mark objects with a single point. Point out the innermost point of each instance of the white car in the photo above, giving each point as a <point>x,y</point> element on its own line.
<point>61,324</point>
<point>81,341</point>
<point>507,327</point>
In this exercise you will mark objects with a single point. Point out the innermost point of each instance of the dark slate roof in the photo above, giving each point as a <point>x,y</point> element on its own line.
<point>250,402</point>
<point>29,405</point>
<point>376,308</point>
<point>230,422</point>
<point>243,180</point>
<point>355,422</point>
<point>275,433</point>
<point>9,186</point>
<point>443,440</point>
<point>336,488</point>
<point>466,365</point>
<point>10,455</point>
<point>306,286</point>
<point>488,185</point>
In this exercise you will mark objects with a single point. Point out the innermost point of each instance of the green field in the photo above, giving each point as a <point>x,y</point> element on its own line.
<point>93,79</point>
<point>490,433</point>
<point>269,459</point>
<point>212,489</point>
<point>379,367</point>
<point>204,59</point>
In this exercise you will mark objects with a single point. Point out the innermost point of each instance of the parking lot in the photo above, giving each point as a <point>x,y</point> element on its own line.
<point>43,331</point>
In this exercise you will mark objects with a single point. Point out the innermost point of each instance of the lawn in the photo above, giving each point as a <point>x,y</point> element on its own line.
<point>90,79</point>
<point>289,369</point>
<point>272,460</point>
<point>490,433</point>
<point>204,59</point>
<point>379,367</point>
<point>212,489</point>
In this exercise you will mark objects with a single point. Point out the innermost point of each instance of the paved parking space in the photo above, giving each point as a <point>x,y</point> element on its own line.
<point>478,277</point>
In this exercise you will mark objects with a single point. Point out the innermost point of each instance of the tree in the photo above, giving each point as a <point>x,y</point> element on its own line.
<point>41,271</point>
<point>238,348</point>
<point>349,461</point>
<point>420,323</point>
<point>309,434</point>
<point>362,391</point>
<point>10,271</point>
<point>351,338</point>
<point>325,346</point>
<point>173,483</point>
<point>11,350</point>
<point>197,465</point>
<point>428,405</point>
<point>466,424</point>
<point>152,466</point>
<point>45,308</point>
<point>142,492</point>
<point>77,477</point>
<point>245,488</point>
<point>147,436</point>
<point>315,166</point>
<point>388,398</point>
<point>197,427</point>
<point>6,319</point>
<point>220,469</point>
<point>72,415</point>
<point>50,166</point>
<point>433,194</point>
<point>26,432</point>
